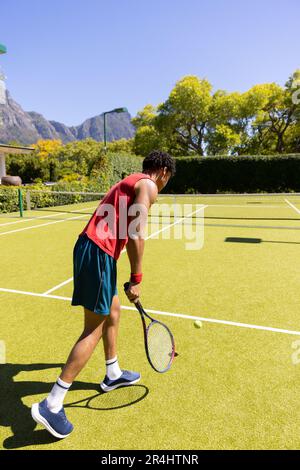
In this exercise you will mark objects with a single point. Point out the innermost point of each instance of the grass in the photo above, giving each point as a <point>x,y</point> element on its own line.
<point>229,388</point>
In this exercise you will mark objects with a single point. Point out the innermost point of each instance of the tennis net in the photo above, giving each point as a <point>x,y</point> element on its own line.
<point>171,204</point>
<point>61,201</point>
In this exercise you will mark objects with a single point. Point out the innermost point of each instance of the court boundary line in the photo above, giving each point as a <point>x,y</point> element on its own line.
<point>48,223</point>
<point>169,314</point>
<point>271,227</point>
<point>244,206</point>
<point>292,206</point>
<point>58,286</point>
<point>27,219</point>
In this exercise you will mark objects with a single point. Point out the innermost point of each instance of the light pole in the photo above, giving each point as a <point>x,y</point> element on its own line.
<point>116,110</point>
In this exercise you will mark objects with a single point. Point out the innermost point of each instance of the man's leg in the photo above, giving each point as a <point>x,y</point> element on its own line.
<point>85,345</point>
<point>115,377</point>
<point>110,330</point>
<point>50,411</point>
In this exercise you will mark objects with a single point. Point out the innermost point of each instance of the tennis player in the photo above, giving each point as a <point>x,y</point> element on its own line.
<point>116,223</point>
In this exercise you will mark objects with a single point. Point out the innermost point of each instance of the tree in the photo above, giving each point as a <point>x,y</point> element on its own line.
<point>183,117</point>
<point>275,114</point>
<point>121,145</point>
<point>196,120</point>
<point>79,157</point>
<point>46,148</point>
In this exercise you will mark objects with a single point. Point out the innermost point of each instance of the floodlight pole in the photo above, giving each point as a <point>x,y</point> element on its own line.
<point>116,110</point>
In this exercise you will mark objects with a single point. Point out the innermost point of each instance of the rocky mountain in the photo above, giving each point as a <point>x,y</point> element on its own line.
<point>28,127</point>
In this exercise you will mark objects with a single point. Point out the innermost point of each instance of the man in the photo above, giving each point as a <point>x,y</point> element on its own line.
<point>117,222</point>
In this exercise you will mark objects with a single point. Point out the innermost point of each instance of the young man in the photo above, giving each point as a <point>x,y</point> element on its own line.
<point>117,222</point>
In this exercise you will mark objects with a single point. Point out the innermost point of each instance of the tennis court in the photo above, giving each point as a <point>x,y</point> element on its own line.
<point>234,384</point>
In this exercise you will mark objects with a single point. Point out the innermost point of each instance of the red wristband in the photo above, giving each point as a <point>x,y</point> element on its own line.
<point>136,278</point>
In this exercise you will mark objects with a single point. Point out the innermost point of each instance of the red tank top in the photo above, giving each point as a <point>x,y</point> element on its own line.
<point>112,236</point>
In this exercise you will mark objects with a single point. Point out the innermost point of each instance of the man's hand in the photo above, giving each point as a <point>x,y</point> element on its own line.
<point>133,292</point>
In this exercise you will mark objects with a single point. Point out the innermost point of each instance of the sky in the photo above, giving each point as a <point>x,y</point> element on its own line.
<point>73,59</point>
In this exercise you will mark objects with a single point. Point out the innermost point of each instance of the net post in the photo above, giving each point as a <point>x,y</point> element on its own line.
<point>175,208</point>
<point>20,199</point>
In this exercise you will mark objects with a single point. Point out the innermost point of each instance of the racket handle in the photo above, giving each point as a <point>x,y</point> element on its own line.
<point>126,285</point>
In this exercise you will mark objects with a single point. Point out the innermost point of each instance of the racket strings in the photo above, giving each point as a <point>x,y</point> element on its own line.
<point>160,346</point>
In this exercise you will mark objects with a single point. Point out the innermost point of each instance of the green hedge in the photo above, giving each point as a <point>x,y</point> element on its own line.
<point>122,165</point>
<point>278,173</point>
<point>9,200</point>
<point>28,167</point>
<point>117,166</point>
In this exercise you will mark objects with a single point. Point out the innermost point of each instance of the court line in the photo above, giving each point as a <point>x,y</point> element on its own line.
<point>48,223</point>
<point>30,218</point>
<point>246,206</point>
<point>169,314</point>
<point>58,286</point>
<point>273,227</point>
<point>177,222</point>
<point>292,206</point>
<point>147,238</point>
<point>43,216</point>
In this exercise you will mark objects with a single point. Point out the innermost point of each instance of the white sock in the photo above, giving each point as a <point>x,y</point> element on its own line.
<point>57,395</point>
<point>113,370</point>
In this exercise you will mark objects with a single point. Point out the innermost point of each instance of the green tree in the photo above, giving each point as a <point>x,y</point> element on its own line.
<point>147,136</point>
<point>183,117</point>
<point>79,157</point>
<point>121,145</point>
<point>195,120</point>
<point>276,114</point>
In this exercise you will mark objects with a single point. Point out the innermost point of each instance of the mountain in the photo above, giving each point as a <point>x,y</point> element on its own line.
<point>27,127</point>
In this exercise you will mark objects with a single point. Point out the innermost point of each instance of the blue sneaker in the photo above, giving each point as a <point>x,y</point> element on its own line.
<point>127,378</point>
<point>56,423</point>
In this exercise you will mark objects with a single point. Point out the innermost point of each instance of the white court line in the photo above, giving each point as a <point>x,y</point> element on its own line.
<point>58,286</point>
<point>254,206</point>
<point>147,238</point>
<point>48,223</point>
<point>43,216</point>
<point>30,218</point>
<point>177,222</point>
<point>292,206</point>
<point>169,314</point>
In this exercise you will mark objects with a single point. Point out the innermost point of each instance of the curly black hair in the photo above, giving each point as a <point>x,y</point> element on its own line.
<point>156,160</point>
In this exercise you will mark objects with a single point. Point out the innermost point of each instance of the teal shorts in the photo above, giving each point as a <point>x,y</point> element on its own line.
<point>95,277</point>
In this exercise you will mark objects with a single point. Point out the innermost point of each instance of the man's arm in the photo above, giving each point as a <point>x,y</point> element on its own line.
<point>146,194</point>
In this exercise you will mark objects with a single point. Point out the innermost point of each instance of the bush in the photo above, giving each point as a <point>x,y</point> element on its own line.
<point>117,166</point>
<point>123,165</point>
<point>9,201</point>
<point>278,173</point>
<point>28,167</point>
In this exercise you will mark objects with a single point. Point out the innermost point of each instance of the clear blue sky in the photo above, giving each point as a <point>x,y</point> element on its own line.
<point>73,59</point>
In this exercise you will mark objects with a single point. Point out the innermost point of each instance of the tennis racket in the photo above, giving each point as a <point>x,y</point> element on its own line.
<point>159,341</point>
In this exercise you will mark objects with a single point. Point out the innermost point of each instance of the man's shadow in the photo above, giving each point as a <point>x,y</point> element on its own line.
<point>17,416</point>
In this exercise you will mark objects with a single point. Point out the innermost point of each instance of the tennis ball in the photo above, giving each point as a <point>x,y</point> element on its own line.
<point>198,324</point>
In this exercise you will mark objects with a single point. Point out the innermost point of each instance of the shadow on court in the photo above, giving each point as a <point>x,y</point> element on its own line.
<point>17,416</point>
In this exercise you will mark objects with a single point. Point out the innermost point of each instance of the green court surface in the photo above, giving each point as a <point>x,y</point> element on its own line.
<point>234,384</point>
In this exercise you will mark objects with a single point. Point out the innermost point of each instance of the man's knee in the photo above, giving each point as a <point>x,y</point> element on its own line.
<point>115,312</point>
